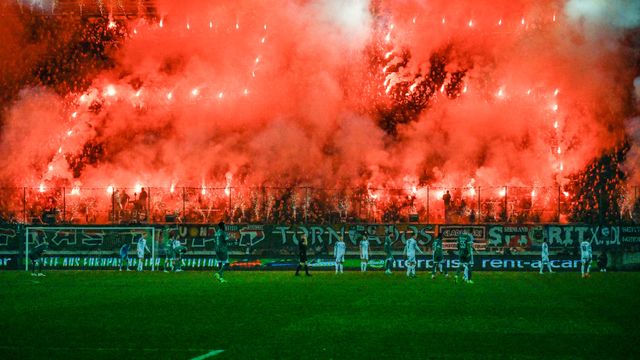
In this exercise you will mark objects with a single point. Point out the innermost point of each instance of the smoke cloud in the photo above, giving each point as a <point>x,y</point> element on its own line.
<point>293,93</point>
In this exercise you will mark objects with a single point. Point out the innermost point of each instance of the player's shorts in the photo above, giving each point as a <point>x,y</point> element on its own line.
<point>303,257</point>
<point>340,258</point>
<point>140,255</point>
<point>465,259</point>
<point>222,256</point>
<point>411,259</point>
<point>438,259</point>
<point>586,260</point>
<point>364,256</point>
<point>389,258</point>
<point>545,259</point>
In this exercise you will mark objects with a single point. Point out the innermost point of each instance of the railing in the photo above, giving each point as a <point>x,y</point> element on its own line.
<point>503,204</point>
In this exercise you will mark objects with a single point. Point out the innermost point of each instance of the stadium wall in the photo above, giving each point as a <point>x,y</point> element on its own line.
<point>274,247</point>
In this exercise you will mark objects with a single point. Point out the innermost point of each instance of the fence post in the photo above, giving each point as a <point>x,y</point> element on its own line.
<point>64,205</point>
<point>306,205</point>
<point>559,194</point>
<point>230,206</point>
<point>478,214</point>
<point>24,205</point>
<point>184,199</point>
<point>506,205</point>
<point>428,215</point>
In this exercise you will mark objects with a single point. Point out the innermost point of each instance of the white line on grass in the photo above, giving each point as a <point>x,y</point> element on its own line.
<point>208,355</point>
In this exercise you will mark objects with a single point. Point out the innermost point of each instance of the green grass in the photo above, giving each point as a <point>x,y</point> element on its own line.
<point>273,315</point>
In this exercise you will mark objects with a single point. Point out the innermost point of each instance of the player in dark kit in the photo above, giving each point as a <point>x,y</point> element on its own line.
<point>36,258</point>
<point>222,251</point>
<point>302,254</point>
<point>388,250</point>
<point>438,258</point>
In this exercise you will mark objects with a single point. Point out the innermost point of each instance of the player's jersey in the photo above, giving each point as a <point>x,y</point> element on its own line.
<point>339,248</point>
<point>585,249</point>
<point>437,249</point>
<point>545,250</point>
<point>411,247</point>
<point>462,246</point>
<point>221,241</point>
<point>364,248</point>
<point>142,245</point>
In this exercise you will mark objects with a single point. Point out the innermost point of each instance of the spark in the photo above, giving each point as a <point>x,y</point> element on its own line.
<point>384,69</point>
<point>413,20</point>
<point>443,21</point>
<point>414,190</point>
<point>188,26</point>
<point>500,93</point>
<point>60,150</point>
<point>503,192</point>
<point>522,21</point>
<point>533,193</point>
<point>554,18</point>
<point>75,191</point>
<point>257,59</point>
<point>135,31</point>
<point>220,95</point>
<point>470,23</point>
<point>387,55</point>
<point>112,24</point>
<point>204,190</point>
<point>195,92</point>
<point>172,188</point>
<point>74,114</point>
<point>237,26</point>
<point>528,91</point>
<point>388,37</point>
<point>137,188</point>
<point>263,40</point>
<point>559,151</point>
<point>265,27</point>
<point>413,87</point>
<point>555,107</point>
<point>69,133</point>
<point>41,188</point>
<point>464,89</point>
<point>210,24</point>
<point>472,191</point>
<point>253,74</point>
<point>561,167</point>
<point>500,22</point>
<point>246,91</point>
<point>442,88</point>
<point>565,193</point>
<point>161,23</point>
<point>556,92</point>
<point>110,91</point>
<point>169,96</point>
<point>83,98</point>
<point>555,124</point>
<point>138,93</point>
<point>110,189</point>
<point>50,167</point>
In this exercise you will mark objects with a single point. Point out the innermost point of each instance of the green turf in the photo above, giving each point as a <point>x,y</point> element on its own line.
<point>273,315</point>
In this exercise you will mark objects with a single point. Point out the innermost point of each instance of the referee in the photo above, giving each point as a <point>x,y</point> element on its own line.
<point>302,254</point>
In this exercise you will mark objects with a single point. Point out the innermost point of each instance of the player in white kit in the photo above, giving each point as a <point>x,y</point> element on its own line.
<point>410,249</point>
<point>545,257</point>
<point>364,253</point>
<point>585,251</point>
<point>338,250</point>
<point>142,249</point>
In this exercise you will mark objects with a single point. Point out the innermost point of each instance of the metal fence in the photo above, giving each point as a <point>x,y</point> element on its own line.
<point>500,204</point>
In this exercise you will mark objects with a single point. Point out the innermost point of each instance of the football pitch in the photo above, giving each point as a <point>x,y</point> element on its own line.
<point>274,315</point>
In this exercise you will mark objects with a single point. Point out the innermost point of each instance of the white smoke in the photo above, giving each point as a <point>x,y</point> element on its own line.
<point>616,13</point>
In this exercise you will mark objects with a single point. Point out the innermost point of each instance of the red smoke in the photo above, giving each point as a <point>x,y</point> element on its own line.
<point>249,93</point>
